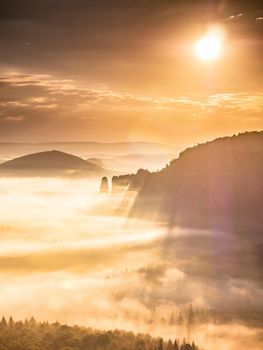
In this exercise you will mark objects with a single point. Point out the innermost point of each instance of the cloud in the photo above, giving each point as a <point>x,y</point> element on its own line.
<point>63,108</point>
<point>15,119</point>
<point>84,97</point>
<point>144,47</point>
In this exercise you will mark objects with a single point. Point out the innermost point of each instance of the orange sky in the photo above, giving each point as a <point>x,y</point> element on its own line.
<point>124,71</point>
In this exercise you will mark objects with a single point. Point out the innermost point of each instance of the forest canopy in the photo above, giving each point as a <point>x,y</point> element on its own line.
<point>33,335</point>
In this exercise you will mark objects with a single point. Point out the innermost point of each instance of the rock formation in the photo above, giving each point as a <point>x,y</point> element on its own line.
<point>132,182</point>
<point>104,186</point>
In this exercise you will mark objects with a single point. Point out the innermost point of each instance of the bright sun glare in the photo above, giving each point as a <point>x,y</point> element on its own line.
<point>209,47</point>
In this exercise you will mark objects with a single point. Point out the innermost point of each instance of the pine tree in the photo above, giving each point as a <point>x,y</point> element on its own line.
<point>175,345</point>
<point>172,319</point>
<point>169,345</point>
<point>11,322</point>
<point>180,319</point>
<point>3,324</point>
<point>161,344</point>
<point>32,322</point>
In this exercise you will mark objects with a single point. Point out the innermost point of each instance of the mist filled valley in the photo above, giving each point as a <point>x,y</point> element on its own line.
<point>73,255</point>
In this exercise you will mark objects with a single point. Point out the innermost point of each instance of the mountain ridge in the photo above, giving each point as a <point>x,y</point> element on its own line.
<point>219,182</point>
<point>49,161</point>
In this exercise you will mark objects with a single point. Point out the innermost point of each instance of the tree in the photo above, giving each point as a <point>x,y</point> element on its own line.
<point>180,319</point>
<point>3,324</point>
<point>160,344</point>
<point>172,319</point>
<point>175,345</point>
<point>103,341</point>
<point>32,322</point>
<point>31,335</point>
<point>169,345</point>
<point>10,322</point>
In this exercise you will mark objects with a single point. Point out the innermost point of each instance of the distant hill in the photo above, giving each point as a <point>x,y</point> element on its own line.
<point>83,149</point>
<point>216,183</point>
<point>127,163</point>
<point>51,162</point>
<point>96,161</point>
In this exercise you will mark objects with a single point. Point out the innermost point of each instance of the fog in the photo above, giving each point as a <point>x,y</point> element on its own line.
<point>71,254</point>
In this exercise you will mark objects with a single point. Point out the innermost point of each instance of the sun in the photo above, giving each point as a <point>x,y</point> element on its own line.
<point>209,47</point>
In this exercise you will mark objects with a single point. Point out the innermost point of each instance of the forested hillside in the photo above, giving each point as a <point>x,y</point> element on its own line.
<point>216,183</point>
<point>32,335</point>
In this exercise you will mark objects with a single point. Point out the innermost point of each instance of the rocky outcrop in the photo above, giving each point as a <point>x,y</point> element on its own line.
<point>104,186</point>
<point>131,182</point>
<point>121,182</point>
<point>139,180</point>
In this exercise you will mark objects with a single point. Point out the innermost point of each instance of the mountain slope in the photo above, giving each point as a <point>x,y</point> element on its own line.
<point>219,182</point>
<point>49,161</point>
<point>83,149</point>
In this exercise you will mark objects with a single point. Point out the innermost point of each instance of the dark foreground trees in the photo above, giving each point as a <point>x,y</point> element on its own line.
<point>32,335</point>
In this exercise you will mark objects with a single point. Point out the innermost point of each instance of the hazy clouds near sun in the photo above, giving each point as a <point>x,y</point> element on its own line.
<point>120,42</point>
<point>73,70</point>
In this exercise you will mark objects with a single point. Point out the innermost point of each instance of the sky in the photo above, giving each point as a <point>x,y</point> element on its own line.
<point>114,71</point>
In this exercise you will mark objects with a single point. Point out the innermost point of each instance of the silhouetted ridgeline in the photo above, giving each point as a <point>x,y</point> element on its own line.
<point>32,335</point>
<point>49,163</point>
<point>132,181</point>
<point>216,183</point>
